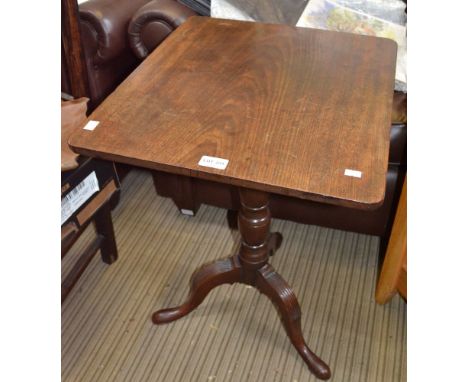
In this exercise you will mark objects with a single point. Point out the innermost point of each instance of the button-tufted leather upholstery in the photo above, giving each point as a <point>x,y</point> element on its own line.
<point>107,44</point>
<point>153,22</point>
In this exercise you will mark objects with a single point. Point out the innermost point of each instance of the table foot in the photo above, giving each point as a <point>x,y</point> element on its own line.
<point>270,283</point>
<point>208,277</point>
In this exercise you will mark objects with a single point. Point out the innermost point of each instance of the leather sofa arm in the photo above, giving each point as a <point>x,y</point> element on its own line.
<point>397,154</point>
<point>398,131</point>
<point>153,22</point>
<point>104,26</point>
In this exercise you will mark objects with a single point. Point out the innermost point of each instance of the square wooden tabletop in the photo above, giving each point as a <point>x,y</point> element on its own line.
<point>296,111</point>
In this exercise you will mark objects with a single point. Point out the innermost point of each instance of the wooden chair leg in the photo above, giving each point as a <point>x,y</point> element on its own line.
<point>105,228</point>
<point>181,189</point>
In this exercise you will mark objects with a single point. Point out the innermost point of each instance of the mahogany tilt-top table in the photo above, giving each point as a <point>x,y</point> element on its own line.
<point>269,109</point>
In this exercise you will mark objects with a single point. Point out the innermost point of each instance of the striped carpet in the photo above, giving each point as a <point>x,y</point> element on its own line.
<point>235,335</point>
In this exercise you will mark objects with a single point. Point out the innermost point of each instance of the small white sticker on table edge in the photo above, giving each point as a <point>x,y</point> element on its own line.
<point>213,162</point>
<point>353,173</point>
<point>91,125</point>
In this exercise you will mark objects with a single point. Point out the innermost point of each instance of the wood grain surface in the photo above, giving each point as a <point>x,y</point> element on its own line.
<point>290,108</point>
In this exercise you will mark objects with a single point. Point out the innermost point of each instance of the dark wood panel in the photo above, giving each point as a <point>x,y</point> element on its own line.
<point>290,108</point>
<point>72,50</point>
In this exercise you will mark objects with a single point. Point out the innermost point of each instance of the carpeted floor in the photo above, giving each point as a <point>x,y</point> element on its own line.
<point>235,335</point>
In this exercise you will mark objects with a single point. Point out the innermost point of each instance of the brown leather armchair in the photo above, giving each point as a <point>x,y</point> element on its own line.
<point>112,30</point>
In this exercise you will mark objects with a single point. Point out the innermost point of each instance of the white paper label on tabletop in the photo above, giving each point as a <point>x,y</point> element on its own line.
<point>213,162</point>
<point>91,125</point>
<point>353,173</point>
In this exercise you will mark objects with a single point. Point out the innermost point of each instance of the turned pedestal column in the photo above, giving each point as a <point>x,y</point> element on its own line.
<point>250,266</point>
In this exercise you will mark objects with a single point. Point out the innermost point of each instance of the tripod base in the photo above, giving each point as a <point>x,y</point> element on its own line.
<point>251,267</point>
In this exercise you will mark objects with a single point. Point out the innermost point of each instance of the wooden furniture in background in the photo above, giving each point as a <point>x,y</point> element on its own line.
<point>394,274</point>
<point>292,109</point>
<point>74,72</point>
<point>96,209</point>
<point>90,189</point>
